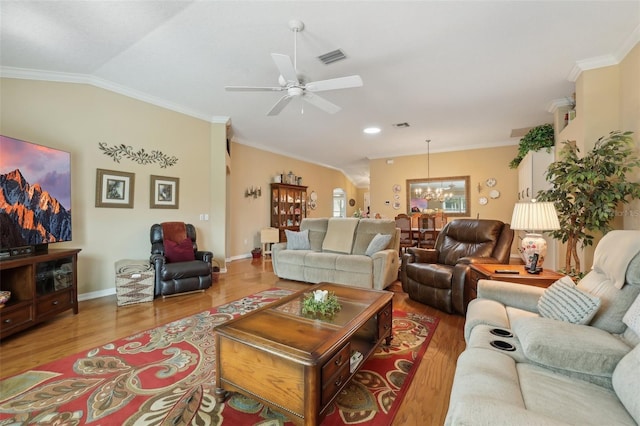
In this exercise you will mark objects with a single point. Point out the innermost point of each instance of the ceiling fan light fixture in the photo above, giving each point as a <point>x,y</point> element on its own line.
<point>294,91</point>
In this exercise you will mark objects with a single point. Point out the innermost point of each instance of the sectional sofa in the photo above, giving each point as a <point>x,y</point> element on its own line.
<point>558,356</point>
<point>358,252</point>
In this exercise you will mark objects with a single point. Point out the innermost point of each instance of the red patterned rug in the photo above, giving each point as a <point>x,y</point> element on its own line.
<point>165,376</point>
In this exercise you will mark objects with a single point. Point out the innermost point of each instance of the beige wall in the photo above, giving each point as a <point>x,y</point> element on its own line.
<point>75,118</point>
<point>630,120</point>
<point>479,164</point>
<point>254,167</point>
<point>608,99</point>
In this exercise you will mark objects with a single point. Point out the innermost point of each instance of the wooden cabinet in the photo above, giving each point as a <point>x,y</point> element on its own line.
<point>288,207</point>
<point>41,286</point>
<point>531,174</point>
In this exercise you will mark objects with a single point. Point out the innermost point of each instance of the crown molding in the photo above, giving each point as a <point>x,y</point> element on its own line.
<point>555,104</point>
<point>63,77</point>
<point>606,60</point>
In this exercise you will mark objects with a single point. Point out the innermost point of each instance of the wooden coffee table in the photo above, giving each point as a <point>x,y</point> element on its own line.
<point>297,364</point>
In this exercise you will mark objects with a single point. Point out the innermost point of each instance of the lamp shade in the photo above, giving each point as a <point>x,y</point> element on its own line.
<point>535,216</point>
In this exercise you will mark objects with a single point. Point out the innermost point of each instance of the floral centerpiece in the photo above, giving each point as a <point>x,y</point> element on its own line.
<point>320,302</point>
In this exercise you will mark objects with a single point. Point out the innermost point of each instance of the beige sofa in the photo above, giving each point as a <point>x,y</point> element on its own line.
<point>336,253</point>
<point>585,372</point>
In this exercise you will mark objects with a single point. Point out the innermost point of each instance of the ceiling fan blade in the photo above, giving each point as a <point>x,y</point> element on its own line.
<point>279,106</point>
<point>321,103</point>
<point>285,66</point>
<point>335,83</point>
<point>253,89</point>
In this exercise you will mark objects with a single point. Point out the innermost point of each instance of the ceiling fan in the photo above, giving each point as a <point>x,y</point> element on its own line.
<point>294,86</point>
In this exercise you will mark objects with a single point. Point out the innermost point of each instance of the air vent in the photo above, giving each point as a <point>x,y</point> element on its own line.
<point>331,57</point>
<point>401,125</point>
<point>518,133</point>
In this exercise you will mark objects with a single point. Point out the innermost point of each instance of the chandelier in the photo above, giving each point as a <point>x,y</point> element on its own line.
<point>432,194</point>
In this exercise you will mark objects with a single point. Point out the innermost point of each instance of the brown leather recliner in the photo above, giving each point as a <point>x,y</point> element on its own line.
<point>183,275</point>
<point>437,277</point>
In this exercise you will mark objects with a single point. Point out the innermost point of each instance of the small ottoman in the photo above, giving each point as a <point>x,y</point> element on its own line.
<point>134,281</point>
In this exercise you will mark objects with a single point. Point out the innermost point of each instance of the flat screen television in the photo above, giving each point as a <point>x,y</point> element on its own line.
<point>35,196</point>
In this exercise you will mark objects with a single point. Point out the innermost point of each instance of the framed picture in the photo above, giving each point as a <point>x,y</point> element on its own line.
<point>114,189</point>
<point>164,192</point>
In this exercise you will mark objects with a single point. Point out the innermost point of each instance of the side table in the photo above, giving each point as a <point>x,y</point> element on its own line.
<point>482,271</point>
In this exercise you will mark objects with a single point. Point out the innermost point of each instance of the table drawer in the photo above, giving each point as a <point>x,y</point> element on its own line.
<point>15,317</point>
<point>385,319</point>
<point>337,362</point>
<point>333,385</point>
<point>55,303</point>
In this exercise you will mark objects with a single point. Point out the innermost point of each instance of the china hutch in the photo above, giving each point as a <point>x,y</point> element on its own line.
<point>288,207</point>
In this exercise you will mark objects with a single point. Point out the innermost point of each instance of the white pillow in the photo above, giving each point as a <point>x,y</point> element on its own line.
<point>632,317</point>
<point>379,242</point>
<point>563,301</point>
<point>297,240</point>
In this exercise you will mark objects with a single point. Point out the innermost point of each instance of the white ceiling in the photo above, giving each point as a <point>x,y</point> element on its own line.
<point>461,73</point>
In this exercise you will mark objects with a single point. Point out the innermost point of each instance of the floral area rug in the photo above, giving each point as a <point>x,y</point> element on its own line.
<point>166,376</point>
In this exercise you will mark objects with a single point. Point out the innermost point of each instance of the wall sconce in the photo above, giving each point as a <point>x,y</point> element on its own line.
<point>253,192</point>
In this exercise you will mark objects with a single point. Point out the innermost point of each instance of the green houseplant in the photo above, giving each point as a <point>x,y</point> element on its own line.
<point>537,138</point>
<point>586,190</point>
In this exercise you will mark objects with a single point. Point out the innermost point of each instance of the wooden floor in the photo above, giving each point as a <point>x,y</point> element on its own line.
<point>101,321</point>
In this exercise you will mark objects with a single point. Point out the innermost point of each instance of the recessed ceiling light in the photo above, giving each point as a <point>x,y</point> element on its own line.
<point>372,130</point>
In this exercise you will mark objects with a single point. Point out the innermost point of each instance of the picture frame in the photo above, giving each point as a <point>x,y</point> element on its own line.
<point>114,189</point>
<point>164,192</point>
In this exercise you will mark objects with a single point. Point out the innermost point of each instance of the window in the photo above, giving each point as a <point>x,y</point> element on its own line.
<point>339,203</point>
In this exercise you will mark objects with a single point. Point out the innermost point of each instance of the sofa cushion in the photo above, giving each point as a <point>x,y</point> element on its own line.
<point>567,399</point>
<point>626,382</point>
<point>565,346</point>
<point>379,242</point>
<point>297,240</point>
<point>563,301</point>
<point>339,237</point>
<point>614,302</point>
<point>368,229</point>
<point>436,274</point>
<point>317,230</point>
<point>633,271</point>
<point>614,253</point>
<point>356,263</point>
<point>632,317</point>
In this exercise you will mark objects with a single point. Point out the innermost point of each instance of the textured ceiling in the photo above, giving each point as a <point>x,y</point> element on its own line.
<point>463,74</point>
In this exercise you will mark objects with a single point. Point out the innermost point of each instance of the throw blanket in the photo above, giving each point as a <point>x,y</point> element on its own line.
<point>174,231</point>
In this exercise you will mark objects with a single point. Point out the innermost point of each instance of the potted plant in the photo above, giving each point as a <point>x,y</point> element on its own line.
<point>586,190</point>
<point>537,138</point>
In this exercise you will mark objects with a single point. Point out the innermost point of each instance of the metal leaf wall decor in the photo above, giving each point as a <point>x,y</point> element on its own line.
<point>141,156</point>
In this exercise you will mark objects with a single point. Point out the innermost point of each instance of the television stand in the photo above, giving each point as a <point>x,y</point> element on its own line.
<point>42,286</point>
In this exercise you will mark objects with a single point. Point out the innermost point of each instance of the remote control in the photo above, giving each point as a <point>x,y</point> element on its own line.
<point>506,271</point>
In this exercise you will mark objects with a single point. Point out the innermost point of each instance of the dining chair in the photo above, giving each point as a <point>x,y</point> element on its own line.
<point>403,222</point>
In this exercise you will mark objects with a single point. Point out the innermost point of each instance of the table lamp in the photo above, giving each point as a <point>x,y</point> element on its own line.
<point>534,218</point>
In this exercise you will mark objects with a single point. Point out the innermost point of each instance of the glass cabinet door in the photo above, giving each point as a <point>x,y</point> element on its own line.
<point>54,275</point>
